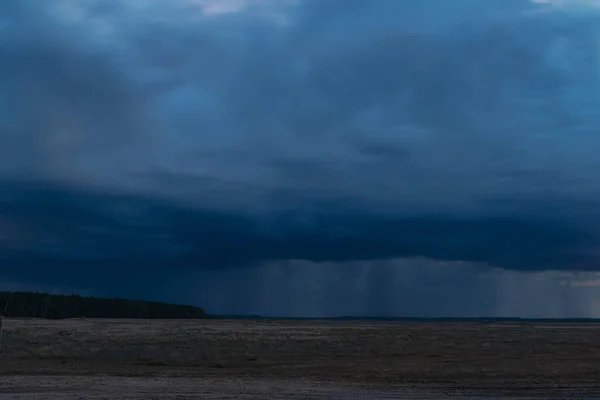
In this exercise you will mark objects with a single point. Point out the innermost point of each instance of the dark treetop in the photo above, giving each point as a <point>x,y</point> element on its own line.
<point>43,305</point>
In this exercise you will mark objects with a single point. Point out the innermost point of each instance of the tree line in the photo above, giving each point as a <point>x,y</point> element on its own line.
<point>54,306</point>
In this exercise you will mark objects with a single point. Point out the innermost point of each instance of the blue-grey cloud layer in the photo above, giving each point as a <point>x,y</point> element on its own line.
<point>147,135</point>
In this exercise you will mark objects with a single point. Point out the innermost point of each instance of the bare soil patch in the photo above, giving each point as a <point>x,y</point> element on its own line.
<point>230,358</point>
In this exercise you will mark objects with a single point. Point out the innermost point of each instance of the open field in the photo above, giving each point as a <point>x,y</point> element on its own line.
<point>82,358</point>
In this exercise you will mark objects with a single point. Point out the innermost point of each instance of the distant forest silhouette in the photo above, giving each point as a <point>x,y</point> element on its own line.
<point>54,306</point>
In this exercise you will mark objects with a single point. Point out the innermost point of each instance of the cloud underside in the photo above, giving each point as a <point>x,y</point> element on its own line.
<point>47,226</point>
<point>161,135</point>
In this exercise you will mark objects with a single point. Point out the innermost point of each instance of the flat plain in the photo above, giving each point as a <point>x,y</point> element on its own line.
<point>278,359</point>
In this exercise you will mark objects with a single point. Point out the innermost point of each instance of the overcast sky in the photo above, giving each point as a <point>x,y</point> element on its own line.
<point>304,157</point>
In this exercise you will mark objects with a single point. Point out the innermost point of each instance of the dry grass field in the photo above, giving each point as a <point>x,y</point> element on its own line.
<point>218,359</point>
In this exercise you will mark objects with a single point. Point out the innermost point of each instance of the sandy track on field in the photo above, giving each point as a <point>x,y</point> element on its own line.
<point>109,388</point>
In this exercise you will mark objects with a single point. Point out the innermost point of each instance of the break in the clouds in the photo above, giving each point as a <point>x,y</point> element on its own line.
<point>224,137</point>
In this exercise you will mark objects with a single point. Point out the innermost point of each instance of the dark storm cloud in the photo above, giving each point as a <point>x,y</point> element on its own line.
<point>149,135</point>
<point>48,227</point>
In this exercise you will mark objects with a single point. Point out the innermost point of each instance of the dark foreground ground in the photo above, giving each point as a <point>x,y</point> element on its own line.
<point>217,359</point>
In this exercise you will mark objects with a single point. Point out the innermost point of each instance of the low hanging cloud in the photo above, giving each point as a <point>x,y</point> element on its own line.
<point>208,135</point>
